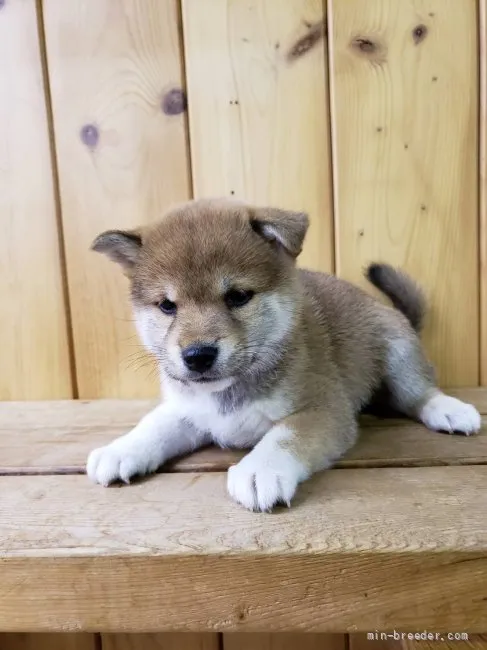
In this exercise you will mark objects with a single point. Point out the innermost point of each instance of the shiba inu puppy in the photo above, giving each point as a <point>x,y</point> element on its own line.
<point>256,353</point>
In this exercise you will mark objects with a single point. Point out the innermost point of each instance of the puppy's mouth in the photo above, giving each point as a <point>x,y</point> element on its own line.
<point>211,383</point>
<point>198,379</point>
<point>208,379</point>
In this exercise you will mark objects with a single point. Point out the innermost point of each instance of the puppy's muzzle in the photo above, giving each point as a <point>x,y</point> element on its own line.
<point>199,358</point>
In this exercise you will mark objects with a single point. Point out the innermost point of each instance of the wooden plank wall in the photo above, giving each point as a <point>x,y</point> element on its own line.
<point>371,125</point>
<point>259,117</point>
<point>35,356</point>
<point>405,130</point>
<point>367,117</point>
<point>121,157</point>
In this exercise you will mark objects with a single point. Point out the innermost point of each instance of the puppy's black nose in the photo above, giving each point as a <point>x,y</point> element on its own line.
<point>200,357</point>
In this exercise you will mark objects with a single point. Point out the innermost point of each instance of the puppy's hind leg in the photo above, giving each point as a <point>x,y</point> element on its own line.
<point>413,389</point>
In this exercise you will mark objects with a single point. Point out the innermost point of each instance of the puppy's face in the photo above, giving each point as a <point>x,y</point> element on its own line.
<point>213,287</point>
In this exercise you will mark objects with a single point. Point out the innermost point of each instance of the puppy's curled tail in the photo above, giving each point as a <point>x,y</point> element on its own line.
<point>402,291</point>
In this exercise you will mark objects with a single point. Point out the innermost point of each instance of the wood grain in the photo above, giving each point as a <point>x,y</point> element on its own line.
<point>372,549</point>
<point>56,437</point>
<point>122,161</point>
<point>395,509</point>
<point>87,415</point>
<point>47,641</point>
<point>405,112</point>
<point>259,119</point>
<point>165,641</point>
<point>442,591</point>
<point>252,641</point>
<point>35,351</point>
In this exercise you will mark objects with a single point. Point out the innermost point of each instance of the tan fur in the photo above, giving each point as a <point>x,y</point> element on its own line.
<point>296,364</point>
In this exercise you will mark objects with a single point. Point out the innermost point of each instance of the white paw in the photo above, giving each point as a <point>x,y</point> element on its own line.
<point>444,413</point>
<point>119,461</point>
<point>264,479</point>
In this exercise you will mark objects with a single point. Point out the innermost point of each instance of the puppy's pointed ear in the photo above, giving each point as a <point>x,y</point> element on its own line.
<point>285,228</point>
<point>121,246</point>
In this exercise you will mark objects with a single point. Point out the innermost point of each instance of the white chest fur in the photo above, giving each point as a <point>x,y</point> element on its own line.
<point>243,426</point>
<point>190,417</point>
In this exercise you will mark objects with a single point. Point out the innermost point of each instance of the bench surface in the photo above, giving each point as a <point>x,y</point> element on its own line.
<point>395,537</point>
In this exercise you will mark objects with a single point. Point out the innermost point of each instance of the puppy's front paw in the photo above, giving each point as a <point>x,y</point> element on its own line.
<point>118,461</point>
<point>445,413</point>
<point>262,480</point>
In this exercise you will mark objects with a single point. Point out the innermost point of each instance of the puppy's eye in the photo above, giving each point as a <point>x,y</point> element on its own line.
<point>167,306</point>
<point>238,297</point>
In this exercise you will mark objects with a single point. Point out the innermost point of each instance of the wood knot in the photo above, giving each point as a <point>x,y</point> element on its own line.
<point>89,135</point>
<point>371,49</point>
<point>241,613</point>
<point>174,102</point>
<point>315,33</point>
<point>364,45</point>
<point>419,33</point>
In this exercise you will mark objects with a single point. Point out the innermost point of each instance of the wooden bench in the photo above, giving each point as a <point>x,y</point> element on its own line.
<point>394,538</point>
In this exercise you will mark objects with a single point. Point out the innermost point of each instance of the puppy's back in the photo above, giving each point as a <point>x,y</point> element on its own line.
<point>351,328</point>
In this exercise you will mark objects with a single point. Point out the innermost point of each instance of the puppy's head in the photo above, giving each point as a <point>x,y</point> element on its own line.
<point>213,287</point>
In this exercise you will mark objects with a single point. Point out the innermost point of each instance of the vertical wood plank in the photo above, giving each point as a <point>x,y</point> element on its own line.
<point>168,641</point>
<point>259,120</point>
<point>116,77</point>
<point>405,144</point>
<point>483,189</point>
<point>290,641</point>
<point>47,642</point>
<point>33,327</point>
